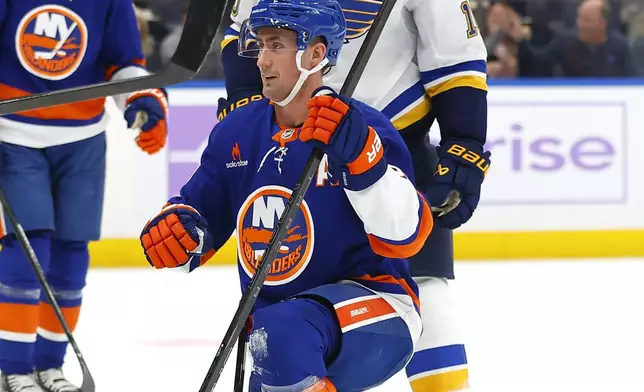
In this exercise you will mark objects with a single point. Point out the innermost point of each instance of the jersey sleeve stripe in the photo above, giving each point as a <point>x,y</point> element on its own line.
<point>402,103</point>
<point>463,80</point>
<point>417,112</point>
<point>438,75</point>
<point>112,69</point>
<point>408,108</point>
<point>79,113</point>
<point>230,35</point>
<point>409,246</point>
<point>54,123</point>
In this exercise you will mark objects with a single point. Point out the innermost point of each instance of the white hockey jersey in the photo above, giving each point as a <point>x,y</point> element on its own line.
<point>427,47</point>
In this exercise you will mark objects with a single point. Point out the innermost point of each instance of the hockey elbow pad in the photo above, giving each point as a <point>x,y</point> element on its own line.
<point>174,236</point>
<point>456,186</point>
<point>354,149</point>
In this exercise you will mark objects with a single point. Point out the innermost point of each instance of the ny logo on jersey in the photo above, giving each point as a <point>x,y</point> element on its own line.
<point>51,41</point>
<point>257,220</point>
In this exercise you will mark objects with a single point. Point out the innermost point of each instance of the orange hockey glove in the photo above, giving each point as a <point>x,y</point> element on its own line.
<point>174,236</point>
<point>337,125</point>
<point>148,110</point>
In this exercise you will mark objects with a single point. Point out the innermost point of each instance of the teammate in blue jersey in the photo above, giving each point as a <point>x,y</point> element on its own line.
<point>428,66</point>
<point>53,167</point>
<point>339,309</point>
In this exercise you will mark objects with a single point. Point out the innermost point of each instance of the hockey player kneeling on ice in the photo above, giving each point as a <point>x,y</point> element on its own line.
<point>426,70</point>
<point>339,309</point>
<point>53,168</point>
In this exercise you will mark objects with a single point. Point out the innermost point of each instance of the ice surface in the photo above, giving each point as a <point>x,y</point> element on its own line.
<point>530,326</point>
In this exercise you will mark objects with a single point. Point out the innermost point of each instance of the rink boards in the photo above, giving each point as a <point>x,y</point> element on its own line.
<point>565,181</point>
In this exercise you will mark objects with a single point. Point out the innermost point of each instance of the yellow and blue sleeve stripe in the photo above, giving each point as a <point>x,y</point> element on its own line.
<point>439,369</point>
<point>230,35</point>
<point>408,108</point>
<point>459,100</point>
<point>468,74</point>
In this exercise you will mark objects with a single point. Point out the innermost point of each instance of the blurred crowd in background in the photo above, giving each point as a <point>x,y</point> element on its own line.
<point>524,38</point>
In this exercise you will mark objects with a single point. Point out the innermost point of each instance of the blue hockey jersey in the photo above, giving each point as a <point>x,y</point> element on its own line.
<point>57,44</point>
<point>244,181</point>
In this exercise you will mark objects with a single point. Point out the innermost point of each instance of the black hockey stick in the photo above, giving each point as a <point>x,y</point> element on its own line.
<point>240,363</point>
<point>299,190</point>
<point>200,28</point>
<point>88,380</point>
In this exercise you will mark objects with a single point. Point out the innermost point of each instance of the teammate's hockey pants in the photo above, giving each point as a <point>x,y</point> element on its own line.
<point>57,195</point>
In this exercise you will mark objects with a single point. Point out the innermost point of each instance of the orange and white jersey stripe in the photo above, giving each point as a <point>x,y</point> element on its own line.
<point>62,124</point>
<point>386,207</point>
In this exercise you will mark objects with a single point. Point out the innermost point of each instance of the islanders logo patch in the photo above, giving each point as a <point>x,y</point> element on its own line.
<point>51,42</point>
<point>256,221</point>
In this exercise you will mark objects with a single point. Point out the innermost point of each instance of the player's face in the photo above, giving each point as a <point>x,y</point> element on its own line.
<point>276,61</point>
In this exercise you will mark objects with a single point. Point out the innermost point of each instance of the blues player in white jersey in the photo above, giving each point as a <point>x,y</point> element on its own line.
<point>429,64</point>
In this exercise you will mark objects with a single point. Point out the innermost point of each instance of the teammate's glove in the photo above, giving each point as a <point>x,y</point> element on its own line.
<point>174,235</point>
<point>338,127</point>
<point>148,111</point>
<point>456,186</point>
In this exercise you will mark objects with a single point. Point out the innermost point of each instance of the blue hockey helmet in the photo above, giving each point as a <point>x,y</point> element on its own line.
<point>308,18</point>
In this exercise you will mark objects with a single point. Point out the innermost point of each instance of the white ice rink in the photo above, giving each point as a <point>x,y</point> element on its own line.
<point>549,326</point>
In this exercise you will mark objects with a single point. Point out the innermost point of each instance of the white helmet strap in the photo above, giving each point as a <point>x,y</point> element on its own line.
<point>304,73</point>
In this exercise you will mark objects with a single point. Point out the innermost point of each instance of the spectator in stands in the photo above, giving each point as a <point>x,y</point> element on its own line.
<point>170,42</point>
<point>502,48</point>
<point>637,48</point>
<point>143,18</point>
<point>593,50</point>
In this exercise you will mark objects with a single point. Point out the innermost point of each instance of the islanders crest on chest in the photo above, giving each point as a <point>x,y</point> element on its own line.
<point>51,41</point>
<point>259,213</point>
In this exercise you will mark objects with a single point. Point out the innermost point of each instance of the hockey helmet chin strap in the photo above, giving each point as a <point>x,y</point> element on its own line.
<point>304,73</point>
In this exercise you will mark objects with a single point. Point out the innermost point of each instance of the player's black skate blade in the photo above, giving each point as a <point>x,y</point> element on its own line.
<point>200,28</point>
